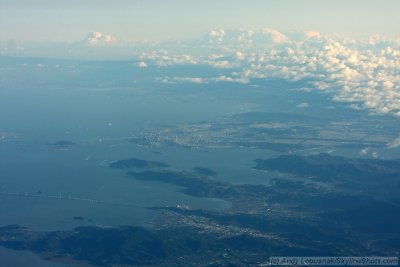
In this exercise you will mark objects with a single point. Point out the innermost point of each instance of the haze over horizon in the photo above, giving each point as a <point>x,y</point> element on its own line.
<point>363,73</point>
<point>68,21</point>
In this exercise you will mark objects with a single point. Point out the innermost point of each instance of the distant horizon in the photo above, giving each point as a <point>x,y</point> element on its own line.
<point>360,72</point>
<point>67,21</point>
<point>119,40</point>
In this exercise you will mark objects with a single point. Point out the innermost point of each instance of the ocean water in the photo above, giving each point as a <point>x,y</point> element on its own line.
<point>100,126</point>
<point>100,120</point>
<point>12,258</point>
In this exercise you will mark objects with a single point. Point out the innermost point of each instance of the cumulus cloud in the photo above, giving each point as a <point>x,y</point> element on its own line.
<point>364,73</point>
<point>99,39</point>
<point>240,55</point>
<point>217,33</point>
<point>174,80</point>
<point>163,58</point>
<point>313,34</point>
<point>142,64</point>
<point>364,151</point>
<point>303,105</point>
<point>276,36</point>
<point>223,78</point>
<point>200,80</point>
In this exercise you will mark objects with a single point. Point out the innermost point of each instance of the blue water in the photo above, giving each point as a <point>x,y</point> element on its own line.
<point>100,125</point>
<point>100,120</point>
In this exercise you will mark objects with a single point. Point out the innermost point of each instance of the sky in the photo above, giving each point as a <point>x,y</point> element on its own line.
<point>159,20</point>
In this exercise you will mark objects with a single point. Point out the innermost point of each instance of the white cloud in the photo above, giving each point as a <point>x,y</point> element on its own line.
<point>217,33</point>
<point>191,79</point>
<point>174,80</point>
<point>224,78</point>
<point>240,55</point>
<point>142,64</point>
<point>200,80</point>
<point>303,105</point>
<point>222,64</point>
<point>364,151</point>
<point>313,34</point>
<point>163,58</point>
<point>98,39</point>
<point>364,73</point>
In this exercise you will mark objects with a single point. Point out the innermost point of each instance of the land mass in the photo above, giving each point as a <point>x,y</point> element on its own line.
<point>289,217</point>
<point>326,167</point>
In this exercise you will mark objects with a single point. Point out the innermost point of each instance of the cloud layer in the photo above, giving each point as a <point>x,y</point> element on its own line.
<point>365,73</point>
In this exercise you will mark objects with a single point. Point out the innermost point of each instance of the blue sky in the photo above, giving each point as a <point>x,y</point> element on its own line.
<point>136,20</point>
